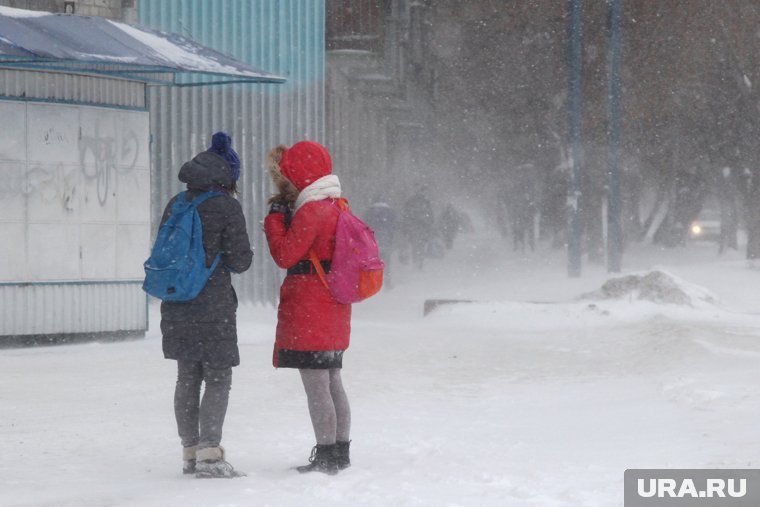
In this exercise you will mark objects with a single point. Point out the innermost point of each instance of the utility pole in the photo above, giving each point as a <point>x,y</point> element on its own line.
<point>614,229</point>
<point>575,66</point>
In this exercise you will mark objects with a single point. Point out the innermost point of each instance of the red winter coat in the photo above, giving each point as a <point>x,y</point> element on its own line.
<point>308,318</point>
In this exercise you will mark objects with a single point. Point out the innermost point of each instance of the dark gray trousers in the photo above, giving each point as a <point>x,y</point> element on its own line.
<point>200,421</point>
<point>328,405</point>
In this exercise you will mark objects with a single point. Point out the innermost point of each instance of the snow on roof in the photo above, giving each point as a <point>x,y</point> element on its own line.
<point>175,54</point>
<point>94,44</point>
<point>21,13</point>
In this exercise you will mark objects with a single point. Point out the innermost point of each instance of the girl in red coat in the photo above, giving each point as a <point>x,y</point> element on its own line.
<point>312,328</point>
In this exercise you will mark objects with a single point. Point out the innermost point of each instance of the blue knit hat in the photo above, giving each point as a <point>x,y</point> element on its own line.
<point>221,144</point>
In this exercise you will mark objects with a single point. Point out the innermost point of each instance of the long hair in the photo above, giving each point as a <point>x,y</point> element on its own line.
<point>286,191</point>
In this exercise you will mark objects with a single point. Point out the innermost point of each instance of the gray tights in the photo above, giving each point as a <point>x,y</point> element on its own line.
<point>200,422</point>
<point>328,405</point>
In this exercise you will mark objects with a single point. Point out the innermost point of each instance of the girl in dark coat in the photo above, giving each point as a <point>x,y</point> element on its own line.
<point>201,334</point>
<point>312,328</point>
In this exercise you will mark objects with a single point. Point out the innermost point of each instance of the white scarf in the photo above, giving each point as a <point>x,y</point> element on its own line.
<point>324,187</point>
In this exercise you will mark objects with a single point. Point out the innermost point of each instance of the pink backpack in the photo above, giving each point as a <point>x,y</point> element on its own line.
<point>356,271</point>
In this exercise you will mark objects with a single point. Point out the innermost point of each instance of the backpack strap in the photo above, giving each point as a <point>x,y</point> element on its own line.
<point>318,267</point>
<point>342,204</point>
<point>202,197</point>
<point>193,205</point>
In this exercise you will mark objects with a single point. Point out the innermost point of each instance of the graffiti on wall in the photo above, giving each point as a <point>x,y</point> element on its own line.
<point>101,159</point>
<point>61,159</point>
<point>76,178</point>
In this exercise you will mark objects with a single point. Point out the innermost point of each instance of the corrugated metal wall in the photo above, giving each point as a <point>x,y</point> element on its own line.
<point>67,306</point>
<point>79,89</point>
<point>285,37</point>
<point>71,308</point>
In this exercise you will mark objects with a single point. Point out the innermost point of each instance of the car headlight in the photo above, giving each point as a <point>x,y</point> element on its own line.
<point>696,229</point>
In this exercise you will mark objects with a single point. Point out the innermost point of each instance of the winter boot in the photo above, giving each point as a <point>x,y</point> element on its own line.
<point>188,459</point>
<point>210,464</point>
<point>323,459</point>
<point>342,454</point>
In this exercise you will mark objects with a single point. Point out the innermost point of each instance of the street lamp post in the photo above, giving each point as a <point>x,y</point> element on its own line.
<point>614,229</point>
<point>575,57</point>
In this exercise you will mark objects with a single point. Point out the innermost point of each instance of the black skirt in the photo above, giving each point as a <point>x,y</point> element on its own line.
<point>306,360</point>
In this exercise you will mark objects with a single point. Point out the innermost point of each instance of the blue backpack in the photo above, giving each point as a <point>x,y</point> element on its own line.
<point>176,269</point>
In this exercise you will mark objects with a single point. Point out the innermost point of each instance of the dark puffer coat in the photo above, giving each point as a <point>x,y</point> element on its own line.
<point>204,329</point>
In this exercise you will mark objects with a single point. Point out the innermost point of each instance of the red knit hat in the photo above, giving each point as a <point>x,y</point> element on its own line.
<point>305,162</point>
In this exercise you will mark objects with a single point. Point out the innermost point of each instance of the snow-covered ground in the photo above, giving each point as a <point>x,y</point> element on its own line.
<point>530,396</point>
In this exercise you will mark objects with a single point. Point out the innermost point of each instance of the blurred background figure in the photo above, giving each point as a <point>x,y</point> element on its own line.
<point>522,205</point>
<point>418,225</point>
<point>450,224</point>
<point>382,219</point>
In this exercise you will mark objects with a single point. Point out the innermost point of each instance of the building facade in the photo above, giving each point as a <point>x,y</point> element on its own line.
<point>120,10</point>
<point>378,91</point>
<point>286,38</point>
<point>77,154</point>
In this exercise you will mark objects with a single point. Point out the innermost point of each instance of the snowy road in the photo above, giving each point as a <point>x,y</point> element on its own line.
<point>505,403</point>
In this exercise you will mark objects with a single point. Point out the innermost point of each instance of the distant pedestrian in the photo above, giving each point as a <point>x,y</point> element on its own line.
<point>450,225</point>
<point>554,199</point>
<point>382,219</point>
<point>201,334</point>
<point>419,223</point>
<point>523,201</point>
<point>728,193</point>
<point>313,329</point>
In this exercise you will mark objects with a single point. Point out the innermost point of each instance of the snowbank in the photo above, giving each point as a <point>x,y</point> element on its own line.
<point>655,286</point>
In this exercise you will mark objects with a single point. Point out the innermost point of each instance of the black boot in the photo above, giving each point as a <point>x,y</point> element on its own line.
<point>323,459</point>
<point>342,454</point>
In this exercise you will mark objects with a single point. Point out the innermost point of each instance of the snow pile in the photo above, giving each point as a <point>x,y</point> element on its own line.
<point>633,299</point>
<point>173,53</point>
<point>12,12</point>
<point>655,286</point>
